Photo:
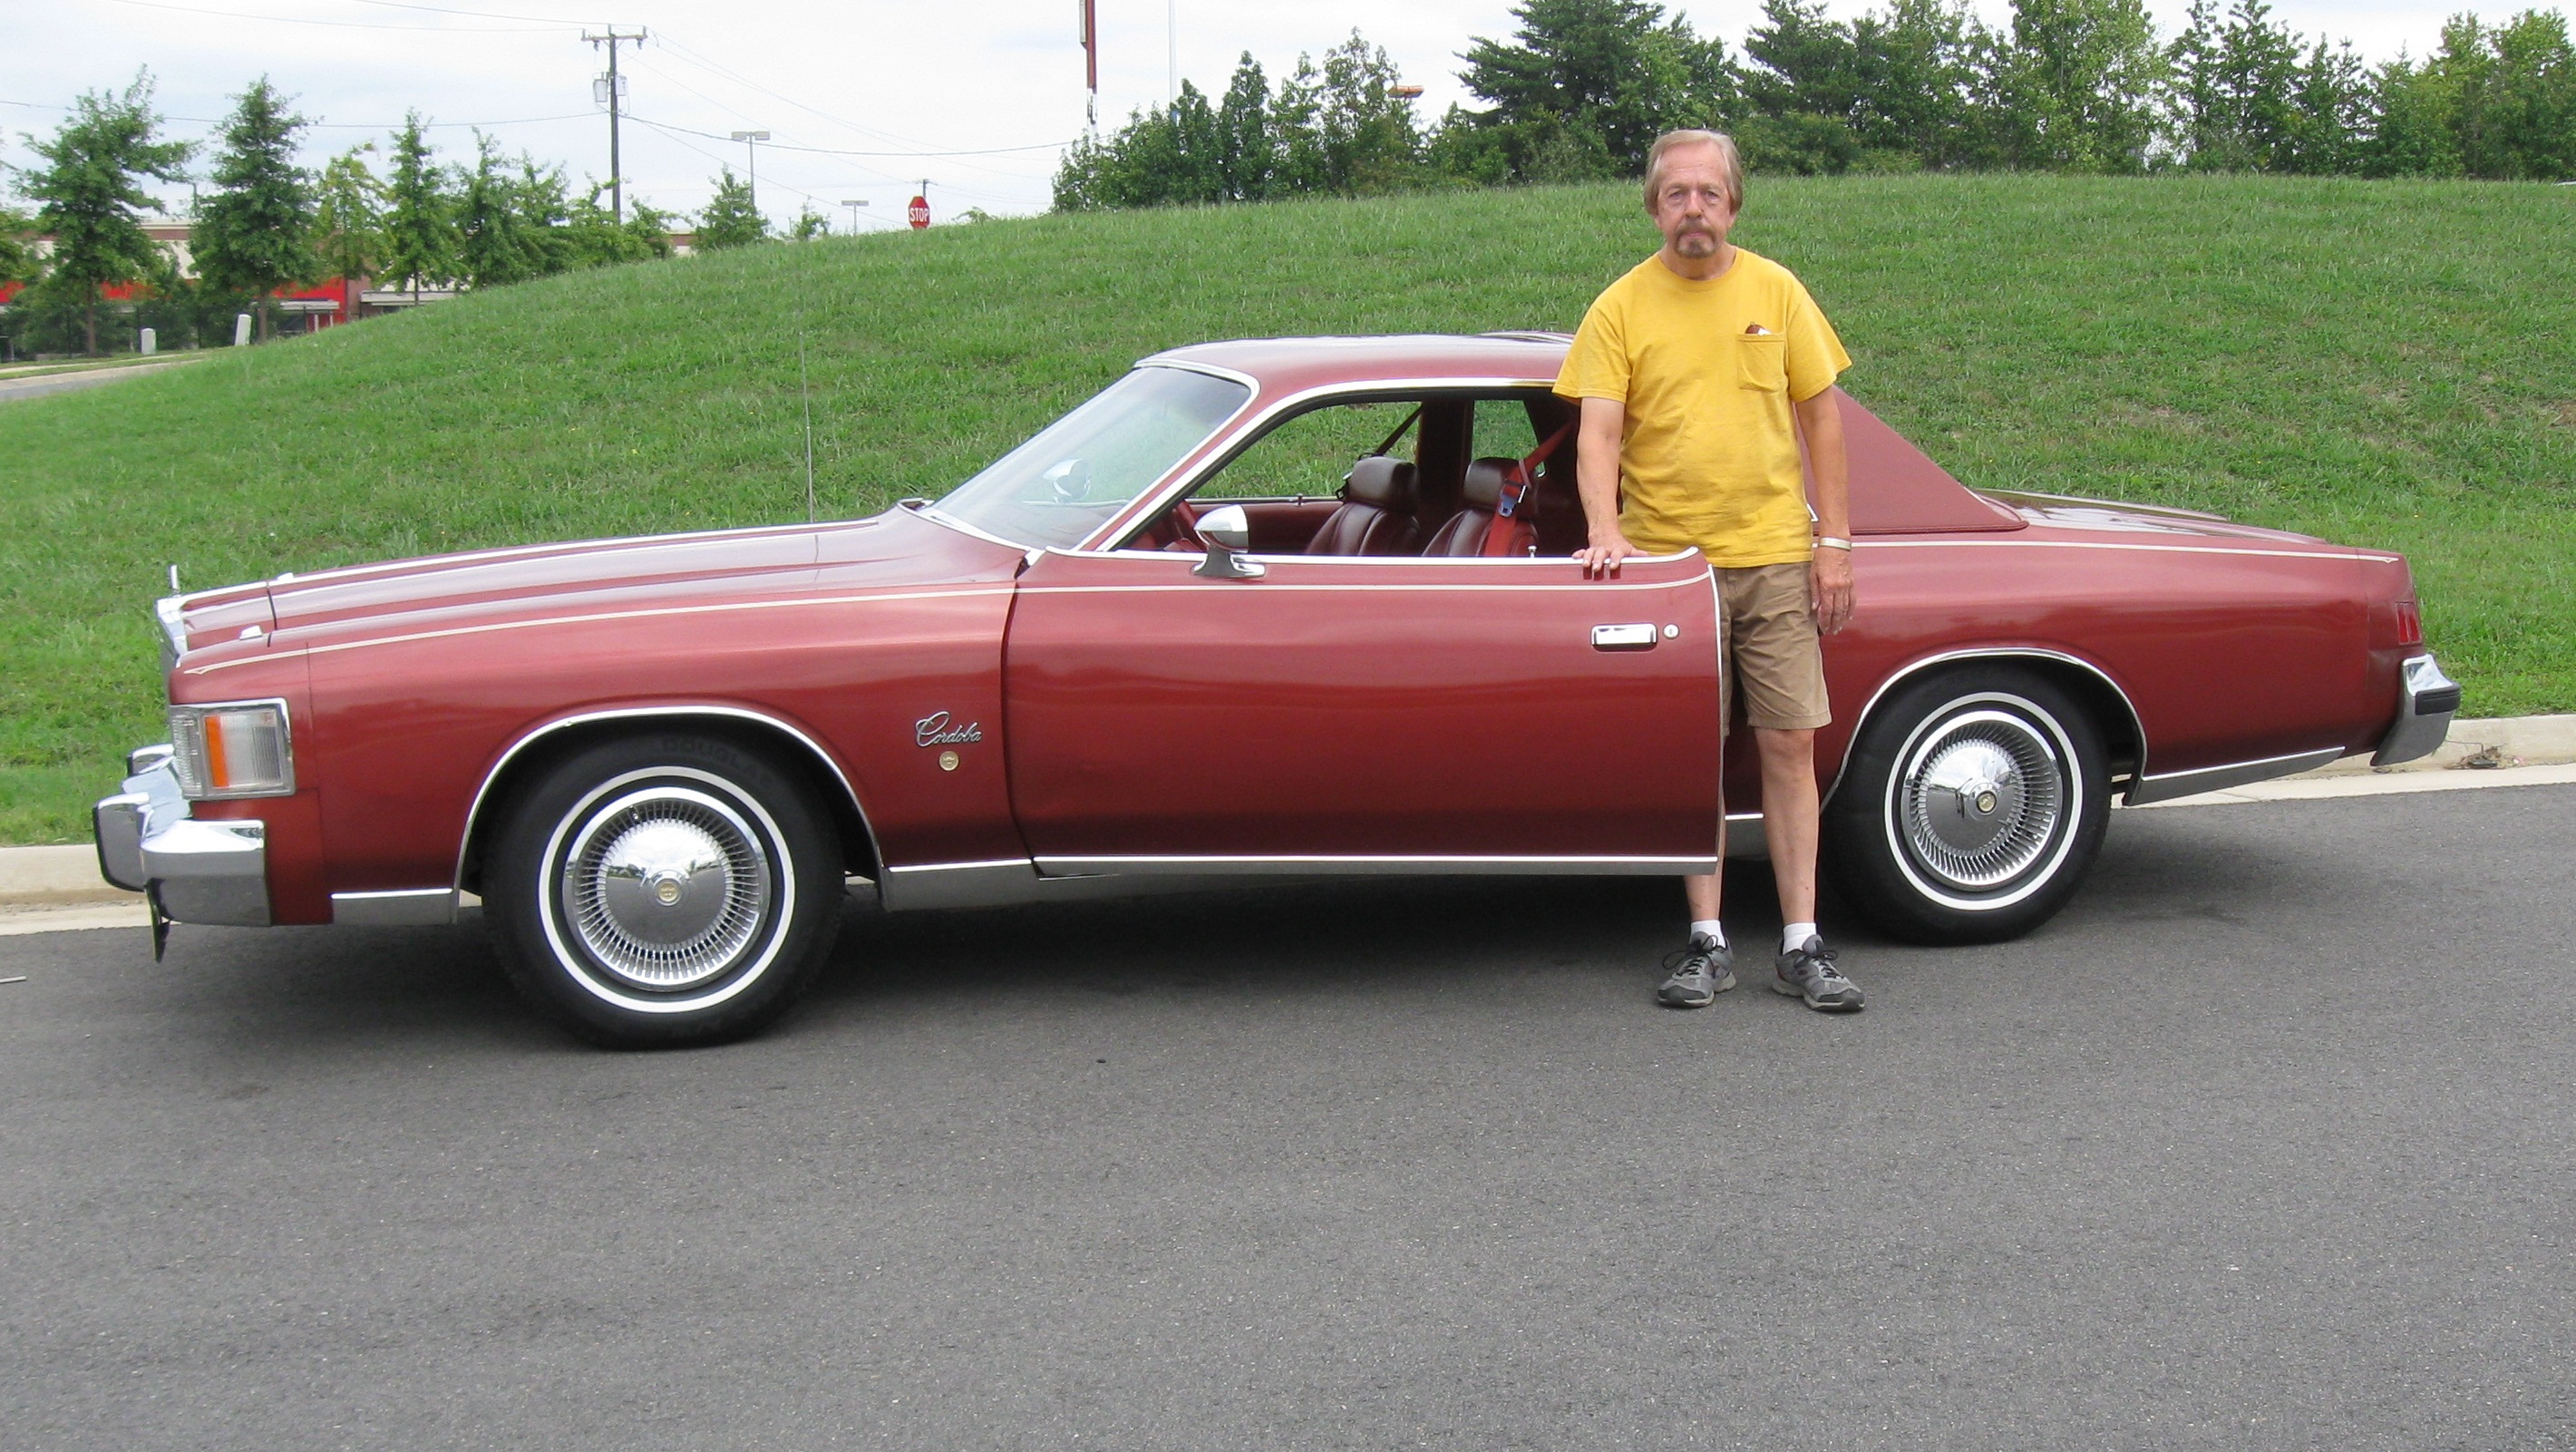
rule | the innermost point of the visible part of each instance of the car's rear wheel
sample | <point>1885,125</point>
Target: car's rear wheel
<point>663,890</point>
<point>1970,807</point>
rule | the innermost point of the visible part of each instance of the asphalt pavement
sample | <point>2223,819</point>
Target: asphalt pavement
<point>2266,1142</point>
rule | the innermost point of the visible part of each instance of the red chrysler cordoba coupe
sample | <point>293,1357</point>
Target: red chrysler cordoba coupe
<point>1289,608</point>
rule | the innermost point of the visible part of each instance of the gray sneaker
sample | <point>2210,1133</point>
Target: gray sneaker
<point>1809,973</point>
<point>1698,973</point>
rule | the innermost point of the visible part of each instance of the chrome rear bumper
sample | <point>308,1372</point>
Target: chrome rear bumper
<point>2426,702</point>
<point>197,872</point>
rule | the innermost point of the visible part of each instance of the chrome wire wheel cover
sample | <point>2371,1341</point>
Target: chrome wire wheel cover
<point>666,887</point>
<point>1980,798</point>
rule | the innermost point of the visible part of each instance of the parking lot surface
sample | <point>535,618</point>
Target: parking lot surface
<point>2266,1142</point>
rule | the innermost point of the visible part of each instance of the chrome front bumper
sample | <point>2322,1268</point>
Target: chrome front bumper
<point>196,872</point>
<point>2426,702</point>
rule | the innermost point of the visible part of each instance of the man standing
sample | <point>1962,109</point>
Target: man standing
<point>1698,374</point>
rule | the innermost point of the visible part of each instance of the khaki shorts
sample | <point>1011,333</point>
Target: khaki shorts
<point>1778,665</point>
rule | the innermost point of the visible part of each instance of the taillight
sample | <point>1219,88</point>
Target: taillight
<point>2410,623</point>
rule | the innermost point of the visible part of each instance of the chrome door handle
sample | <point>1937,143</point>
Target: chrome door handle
<point>1623,637</point>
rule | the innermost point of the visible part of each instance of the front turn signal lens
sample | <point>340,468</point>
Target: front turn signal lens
<point>236,750</point>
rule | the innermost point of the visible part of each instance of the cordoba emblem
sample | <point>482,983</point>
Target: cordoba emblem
<point>938,729</point>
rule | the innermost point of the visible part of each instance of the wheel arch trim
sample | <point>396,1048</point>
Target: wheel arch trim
<point>517,748</point>
<point>2005,653</point>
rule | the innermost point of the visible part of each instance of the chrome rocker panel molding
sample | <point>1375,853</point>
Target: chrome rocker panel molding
<point>212,872</point>
<point>2427,700</point>
<point>2232,774</point>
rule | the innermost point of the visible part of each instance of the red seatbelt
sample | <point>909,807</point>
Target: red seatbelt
<point>1505,527</point>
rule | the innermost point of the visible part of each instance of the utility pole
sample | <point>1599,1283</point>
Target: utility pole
<point>612,88</point>
<point>751,151</point>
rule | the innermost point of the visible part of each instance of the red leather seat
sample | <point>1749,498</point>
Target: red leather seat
<point>1463,536</point>
<point>1376,516</point>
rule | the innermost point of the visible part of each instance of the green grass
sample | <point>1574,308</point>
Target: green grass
<point>2389,364</point>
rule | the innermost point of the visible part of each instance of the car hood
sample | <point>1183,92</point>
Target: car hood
<point>896,547</point>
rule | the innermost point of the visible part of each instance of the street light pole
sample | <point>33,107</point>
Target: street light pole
<point>751,151</point>
<point>854,203</point>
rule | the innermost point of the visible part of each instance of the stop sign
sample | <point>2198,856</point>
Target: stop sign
<point>919,211</point>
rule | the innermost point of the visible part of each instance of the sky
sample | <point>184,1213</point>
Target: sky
<point>863,99</point>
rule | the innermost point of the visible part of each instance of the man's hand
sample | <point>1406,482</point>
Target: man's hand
<point>1829,588</point>
<point>1602,556</point>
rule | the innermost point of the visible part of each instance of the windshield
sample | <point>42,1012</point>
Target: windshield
<point>1066,482</point>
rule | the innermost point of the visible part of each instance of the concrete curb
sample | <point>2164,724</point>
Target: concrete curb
<point>2524,750</point>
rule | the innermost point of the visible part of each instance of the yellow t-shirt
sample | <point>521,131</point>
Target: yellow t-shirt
<point>1707,370</point>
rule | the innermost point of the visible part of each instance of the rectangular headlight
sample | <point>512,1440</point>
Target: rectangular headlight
<point>236,750</point>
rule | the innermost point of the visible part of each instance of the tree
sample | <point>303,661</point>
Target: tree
<point>1246,151</point>
<point>255,234</point>
<point>92,203</point>
<point>2081,81</point>
<point>810,224</point>
<point>729,219</point>
<point>349,220</point>
<point>497,241</point>
<point>1597,79</point>
<point>2329,111</point>
<point>595,238</point>
<point>18,260</point>
<point>420,222</point>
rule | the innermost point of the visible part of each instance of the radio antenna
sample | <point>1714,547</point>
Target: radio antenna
<point>806,392</point>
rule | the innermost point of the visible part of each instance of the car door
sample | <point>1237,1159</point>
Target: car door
<point>1363,714</point>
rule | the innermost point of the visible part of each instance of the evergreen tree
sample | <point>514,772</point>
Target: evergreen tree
<point>349,220</point>
<point>420,215</point>
<point>255,234</point>
<point>92,203</point>
<point>1246,151</point>
<point>729,219</point>
<point>1803,90</point>
<point>1589,84</point>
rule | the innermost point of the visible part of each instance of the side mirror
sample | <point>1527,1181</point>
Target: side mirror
<point>1227,534</point>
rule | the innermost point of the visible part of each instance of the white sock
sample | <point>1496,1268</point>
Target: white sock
<point>1795,936</point>
<point>1709,928</point>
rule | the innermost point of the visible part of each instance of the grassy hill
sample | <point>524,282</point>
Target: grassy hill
<point>2381,363</point>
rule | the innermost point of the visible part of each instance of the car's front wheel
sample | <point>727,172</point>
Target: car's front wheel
<point>1970,807</point>
<point>663,890</point>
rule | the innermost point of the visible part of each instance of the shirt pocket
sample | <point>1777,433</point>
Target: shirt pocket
<point>1762,361</point>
